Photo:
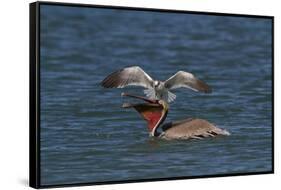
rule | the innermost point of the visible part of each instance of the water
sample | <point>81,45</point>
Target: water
<point>87,137</point>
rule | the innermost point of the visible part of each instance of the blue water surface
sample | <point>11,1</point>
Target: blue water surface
<point>87,137</point>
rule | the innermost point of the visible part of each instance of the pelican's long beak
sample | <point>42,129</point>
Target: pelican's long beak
<point>153,111</point>
<point>139,97</point>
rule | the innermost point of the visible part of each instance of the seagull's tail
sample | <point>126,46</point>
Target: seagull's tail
<point>167,95</point>
<point>150,93</point>
<point>171,96</point>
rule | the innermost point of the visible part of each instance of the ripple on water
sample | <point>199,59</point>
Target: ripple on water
<point>87,137</point>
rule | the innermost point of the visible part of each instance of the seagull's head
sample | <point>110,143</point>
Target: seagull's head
<point>156,83</point>
<point>153,111</point>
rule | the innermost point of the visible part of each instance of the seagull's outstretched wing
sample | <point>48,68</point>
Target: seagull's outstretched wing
<point>127,77</point>
<point>187,80</point>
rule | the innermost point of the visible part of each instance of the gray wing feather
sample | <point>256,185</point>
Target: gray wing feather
<point>187,80</point>
<point>127,77</point>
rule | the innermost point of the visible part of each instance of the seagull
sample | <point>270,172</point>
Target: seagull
<point>155,89</point>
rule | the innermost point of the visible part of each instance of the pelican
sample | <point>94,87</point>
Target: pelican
<point>155,112</point>
<point>155,89</point>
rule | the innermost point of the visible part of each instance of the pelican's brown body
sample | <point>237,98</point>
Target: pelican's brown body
<point>155,112</point>
<point>191,129</point>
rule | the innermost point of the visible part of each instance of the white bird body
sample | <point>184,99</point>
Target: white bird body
<point>160,92</point>
<point>154,89</point>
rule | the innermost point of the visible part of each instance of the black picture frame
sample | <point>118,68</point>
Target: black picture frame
<point>34,92</point>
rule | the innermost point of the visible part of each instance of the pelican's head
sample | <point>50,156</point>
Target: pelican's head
<point>153,111</point>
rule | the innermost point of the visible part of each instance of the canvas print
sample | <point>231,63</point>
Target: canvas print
<point>138,95</point>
